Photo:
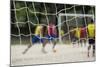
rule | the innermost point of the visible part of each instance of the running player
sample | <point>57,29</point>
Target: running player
<point>51,36</point>
<point>36,38</point>
<point>91,34</point>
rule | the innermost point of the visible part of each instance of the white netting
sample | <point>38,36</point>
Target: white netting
<point>59,12</point>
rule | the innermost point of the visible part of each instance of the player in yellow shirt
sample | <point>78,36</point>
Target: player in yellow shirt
<point>77,35</point>
<point>91,35</point>
<point>61,32</point>
<point>36,38</point>
<point>38,30</point>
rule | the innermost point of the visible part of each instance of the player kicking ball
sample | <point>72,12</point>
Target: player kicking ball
<point>36,38</point>
<point>91,34</point>
<point>44,34</point>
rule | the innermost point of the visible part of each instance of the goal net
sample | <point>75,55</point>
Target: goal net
<point>69,21</point>
<point>25,16</point>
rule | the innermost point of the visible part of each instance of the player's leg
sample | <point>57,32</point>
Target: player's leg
<point>93,50</point>
<point>34,39</point>
<point>81,42</point>
<point>78,41</point>
<point>89,50</point>
<point>29,46</point>
<point>73,41</point>
<point>44,43</point>
<point>54,44</point>
<point>89,47</point>
<point>54,41</point>
<point>84,42</point>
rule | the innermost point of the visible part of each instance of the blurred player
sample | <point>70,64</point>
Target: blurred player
<point>77,35</point>
<point>36,38</point>
<point>51,36</point>
<point>83,35</point>
<point>61,34</point>
<point>91,34</point>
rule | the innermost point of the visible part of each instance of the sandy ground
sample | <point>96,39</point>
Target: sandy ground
<point>65,53</point>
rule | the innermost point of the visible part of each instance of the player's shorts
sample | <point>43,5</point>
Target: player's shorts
<point>37,38</point>
<point>91,41</point>
<point>51,37</point>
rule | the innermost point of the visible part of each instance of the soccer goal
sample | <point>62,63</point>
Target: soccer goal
<point>68,22</point>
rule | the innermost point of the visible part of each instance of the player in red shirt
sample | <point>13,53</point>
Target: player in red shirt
<point>51,36</point>
<point>83,35</point>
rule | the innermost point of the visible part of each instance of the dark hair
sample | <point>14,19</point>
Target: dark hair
<point>92,21</point>
<point>44,30</point>
<point>83,25</point>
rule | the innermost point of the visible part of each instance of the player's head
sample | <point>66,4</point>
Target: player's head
<point>83,25</point>
<point>92,21</point>
<point>40,26</point>
<point>51,23</point>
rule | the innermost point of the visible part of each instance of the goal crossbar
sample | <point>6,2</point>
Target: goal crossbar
<point>82,15</point>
